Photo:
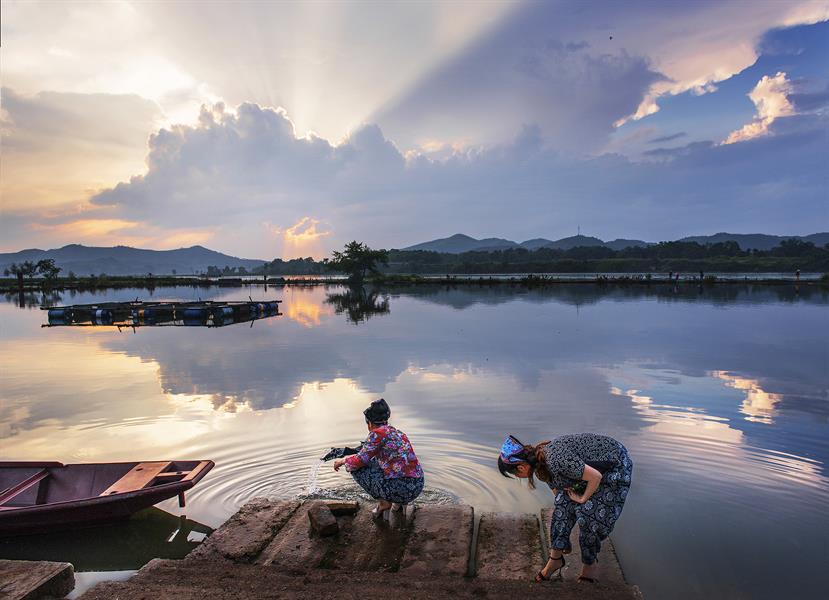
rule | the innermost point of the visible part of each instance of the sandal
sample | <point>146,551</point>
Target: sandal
<point>556,574</point>
<point>587,579</point>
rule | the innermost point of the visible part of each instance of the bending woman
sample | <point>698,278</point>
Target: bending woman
<point>386,466</point>
<point>589,475</point>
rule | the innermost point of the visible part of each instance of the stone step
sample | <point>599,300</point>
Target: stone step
<point>34,579</point>
<point>294,547</point>
<point>364,543</point>
<point>509,546</point>
<point>243,537</point>
<point>269,550</point>
<point>370,544</point>
<point>440,542</point>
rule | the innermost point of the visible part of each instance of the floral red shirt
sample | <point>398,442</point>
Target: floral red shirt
<point>392,450</point>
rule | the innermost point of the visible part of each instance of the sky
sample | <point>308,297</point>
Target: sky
<point>279,129</point>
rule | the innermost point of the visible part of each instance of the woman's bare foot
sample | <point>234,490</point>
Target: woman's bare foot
<point>589,572</point>
<point>382,507</point>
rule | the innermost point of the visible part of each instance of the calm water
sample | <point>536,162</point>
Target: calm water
<point>721,395</point>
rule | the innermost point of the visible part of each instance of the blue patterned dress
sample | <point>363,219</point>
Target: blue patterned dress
<point>566,457</point>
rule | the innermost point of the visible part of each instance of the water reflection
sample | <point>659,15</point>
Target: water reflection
<point>151,533</point>
<point>721,398</point>
<point>358,303</point>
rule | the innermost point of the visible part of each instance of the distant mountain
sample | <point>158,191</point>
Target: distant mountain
<point>621,244</point>
<point>463,243</point>
<point>575,241</point>
<point>757,241</point>
<point>123,260</point>
<point>536,243</point>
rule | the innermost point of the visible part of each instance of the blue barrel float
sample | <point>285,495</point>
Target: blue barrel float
<point>195,312</point>
<point>102,316</point>
<point>149,314</point>
<point>60,316</point>
<point>270,308</point>
<point>156,313</point>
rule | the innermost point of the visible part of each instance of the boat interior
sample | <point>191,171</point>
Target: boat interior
<point>24,484</point>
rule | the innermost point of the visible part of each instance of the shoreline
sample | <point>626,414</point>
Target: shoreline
<point>10,286</point>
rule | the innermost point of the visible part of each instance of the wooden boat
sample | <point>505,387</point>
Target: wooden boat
<point>46,496</point>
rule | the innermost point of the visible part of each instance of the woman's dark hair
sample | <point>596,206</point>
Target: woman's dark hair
<point>530,455</point>
<point>377,413</point>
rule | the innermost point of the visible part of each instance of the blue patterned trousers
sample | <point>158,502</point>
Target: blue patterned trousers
<point>596,517</point>
<point>402,490</point>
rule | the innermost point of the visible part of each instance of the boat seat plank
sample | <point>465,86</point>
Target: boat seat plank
<point>205,464</point>
<point>21,487</point>
<point>139,477</point>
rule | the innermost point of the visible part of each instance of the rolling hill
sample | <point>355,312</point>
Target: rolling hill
<point>124,260</point>
<point>463,243</point>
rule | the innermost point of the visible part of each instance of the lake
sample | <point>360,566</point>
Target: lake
<point>721,395</point>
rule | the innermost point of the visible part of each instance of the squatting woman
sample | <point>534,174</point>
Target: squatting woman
<point>589,475</point>
<point>386,466</point>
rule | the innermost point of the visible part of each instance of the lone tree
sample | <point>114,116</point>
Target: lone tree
<point>357,260</point>
<point>47,268</point>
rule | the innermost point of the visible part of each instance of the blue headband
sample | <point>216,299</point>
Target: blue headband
<point>510,449</point>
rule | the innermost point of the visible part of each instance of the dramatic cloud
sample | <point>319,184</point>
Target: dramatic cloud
<point>578,73</point>
<point>770,96</point>
<point>237,170</point>
<point>60,147</point>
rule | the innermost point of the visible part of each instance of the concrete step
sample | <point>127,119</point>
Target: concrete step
<point>268,549</point>
<point>243,537</point>
<point>440,542</point>
<point>35,579</point>
<point>509,546</point>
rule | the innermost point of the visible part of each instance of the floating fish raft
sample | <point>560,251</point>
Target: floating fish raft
<point>137,313</point>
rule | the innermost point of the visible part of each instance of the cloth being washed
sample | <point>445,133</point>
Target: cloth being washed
<point>341,452</point>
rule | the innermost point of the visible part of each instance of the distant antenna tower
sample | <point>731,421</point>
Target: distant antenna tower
<point>579,229</point>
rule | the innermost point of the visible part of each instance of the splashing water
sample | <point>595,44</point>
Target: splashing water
<point>312,478</point>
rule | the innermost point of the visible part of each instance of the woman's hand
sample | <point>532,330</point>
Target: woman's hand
<point>338,463</point>
<point>593,479</point>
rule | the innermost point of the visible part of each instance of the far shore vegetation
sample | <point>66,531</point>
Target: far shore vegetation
<point>359,264</point>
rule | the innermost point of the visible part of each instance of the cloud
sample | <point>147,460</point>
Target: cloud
<point>578,73</point>
<point>770,97</point>
<point>697,45</point>
<point>667,138</point>
<point>58,148</point>
<point>519,75</point>
<point>239,168</point>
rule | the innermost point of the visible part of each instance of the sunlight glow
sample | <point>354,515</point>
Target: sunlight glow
<point>302,239</point>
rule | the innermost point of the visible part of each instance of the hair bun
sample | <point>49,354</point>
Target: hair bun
<point>378,411</point>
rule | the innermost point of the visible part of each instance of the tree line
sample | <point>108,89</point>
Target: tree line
<point>358,260</point>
